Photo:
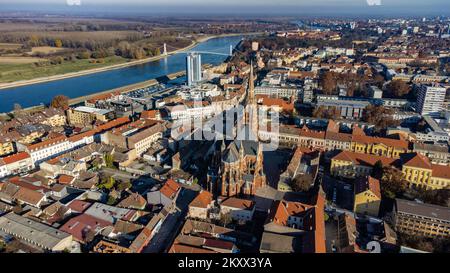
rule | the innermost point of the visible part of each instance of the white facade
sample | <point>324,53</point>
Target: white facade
<point>193,68</point>
<point>430,100</point>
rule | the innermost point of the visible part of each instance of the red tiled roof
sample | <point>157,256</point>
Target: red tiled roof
<point>239,203</point>
<point>203,199</point>
<point>46,143</point>
<point>364,159</point>
<point>79,205</point>
<point>15,157</point>
<point>170,189</point>
<point>368,183</point>
<point>65,179</point>
<point>418,161</point>
<point>441,171</point>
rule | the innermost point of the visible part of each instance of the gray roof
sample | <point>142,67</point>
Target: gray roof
<point>232,153</point>
<point>278,243</point>
<point>40,234</point>
<point>425,210</point>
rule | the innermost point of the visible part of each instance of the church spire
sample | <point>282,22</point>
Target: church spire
<point>251,86</point>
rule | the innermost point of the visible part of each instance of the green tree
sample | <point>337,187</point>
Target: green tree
<point>109,160</point>
<point>393,184</point>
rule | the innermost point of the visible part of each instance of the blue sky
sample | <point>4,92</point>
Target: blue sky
<point>326,7</point>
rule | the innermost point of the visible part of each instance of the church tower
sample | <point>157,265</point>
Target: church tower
<point>251,111</point>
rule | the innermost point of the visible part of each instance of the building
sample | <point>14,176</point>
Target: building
<point>241,171</point>
<point>238,209</point>
<point>193,68</point>
<point>351,164</point>
<point>85,116</point>
<point>300,225</point>
<point>421,173</point>
<point>15,164</point>
<point>367,196</point>
<point>430,100</point>
<point>200,206</point>
<point>422,219</point>
<point>139,135</point>
<point>35,233</point>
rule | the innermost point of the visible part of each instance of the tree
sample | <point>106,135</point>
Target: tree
<point>329,83</point>
<point>60,102</point>
<point>377,170</point>
<point>379,116</point>
<point>302,183</point>
<point>392,183</point>
<point>398,89</point>
<point>58,43</point>
<point>109,160</point>
<point>327,113</point>
<point>123,186</point>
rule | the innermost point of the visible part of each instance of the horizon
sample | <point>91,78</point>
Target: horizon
<point>320,8</point>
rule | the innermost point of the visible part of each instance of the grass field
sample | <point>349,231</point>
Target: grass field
<point>21,71</point>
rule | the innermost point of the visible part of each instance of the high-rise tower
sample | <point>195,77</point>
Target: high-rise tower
<point>193,68</point>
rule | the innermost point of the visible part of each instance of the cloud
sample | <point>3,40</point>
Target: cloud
<point>74,2</point>
<point>374,2</point>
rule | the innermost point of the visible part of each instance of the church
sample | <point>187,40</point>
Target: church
<point>237,167</point>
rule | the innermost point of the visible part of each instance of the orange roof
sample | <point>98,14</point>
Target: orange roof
<point>305,132</point>
<point>170,189</point>
<point>28,196</point>
<point>319,229</point>
<point>65,179</point>
<point>368,183</point>
<point>239,203</point>
<point>284,209</point>
<point>441,171</point>
<point>203,199</point>
<point>417,160</point>
<point>46,143</point>
<point>15,157</point>
<point>103,96</point>
<point>364,159</point>
<point>149,114</point>
<point>386,141</point>
<point>268,101</point>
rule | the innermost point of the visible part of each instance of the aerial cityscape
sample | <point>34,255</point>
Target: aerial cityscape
<point>237,128</point>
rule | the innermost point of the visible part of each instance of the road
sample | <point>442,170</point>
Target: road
<point>171,226</point>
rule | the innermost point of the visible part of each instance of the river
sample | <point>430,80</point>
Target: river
<point>42,93</point>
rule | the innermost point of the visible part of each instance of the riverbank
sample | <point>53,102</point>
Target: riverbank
<point>116,66</point>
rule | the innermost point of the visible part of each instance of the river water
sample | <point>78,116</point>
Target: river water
<point>42,93</point>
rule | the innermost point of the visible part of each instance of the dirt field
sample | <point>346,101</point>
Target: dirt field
<point>45,50</point>
<point>19,60</point>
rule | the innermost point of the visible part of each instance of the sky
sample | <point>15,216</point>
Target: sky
<point>279,7</point>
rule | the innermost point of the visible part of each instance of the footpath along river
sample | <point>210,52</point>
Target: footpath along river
<point>42,93</point>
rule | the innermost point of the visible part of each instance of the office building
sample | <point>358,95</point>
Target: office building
<point>193,68</point>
